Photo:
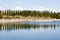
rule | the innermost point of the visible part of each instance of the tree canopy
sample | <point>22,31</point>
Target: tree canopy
<point>31,13</point>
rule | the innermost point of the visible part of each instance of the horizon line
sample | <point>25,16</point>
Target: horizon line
<point>33,9</point>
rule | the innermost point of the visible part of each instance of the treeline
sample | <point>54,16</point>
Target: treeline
<point>27,13</point>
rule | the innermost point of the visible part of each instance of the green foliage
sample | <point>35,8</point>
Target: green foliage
<point>27,13</point>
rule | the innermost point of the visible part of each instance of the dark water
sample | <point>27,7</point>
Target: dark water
<point>30,31</point>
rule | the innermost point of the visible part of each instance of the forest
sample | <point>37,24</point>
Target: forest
<point>28,13</point>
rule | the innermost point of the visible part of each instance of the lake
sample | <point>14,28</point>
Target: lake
<point>30,31</point>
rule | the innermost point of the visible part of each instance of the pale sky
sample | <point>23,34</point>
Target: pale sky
<point>30,4</point>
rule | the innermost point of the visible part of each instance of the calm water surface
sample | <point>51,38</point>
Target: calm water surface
<point>30,31</point>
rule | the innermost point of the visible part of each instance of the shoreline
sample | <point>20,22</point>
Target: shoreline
<point>28,20</point>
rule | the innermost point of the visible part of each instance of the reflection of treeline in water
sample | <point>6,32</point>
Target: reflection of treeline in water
<point>28,13</point>
<point>24,26</point>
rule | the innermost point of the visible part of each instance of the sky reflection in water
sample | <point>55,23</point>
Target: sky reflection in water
<point>30,31</point>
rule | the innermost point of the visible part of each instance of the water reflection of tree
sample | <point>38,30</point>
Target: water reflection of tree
<point>0,27</point>
<point>13,26</point>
